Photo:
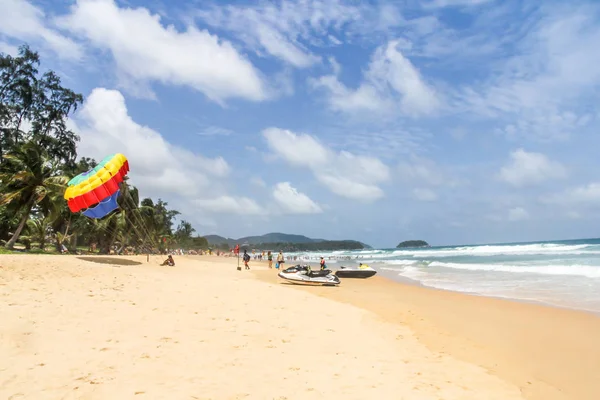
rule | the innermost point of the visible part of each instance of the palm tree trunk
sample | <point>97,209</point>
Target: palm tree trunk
<point>11,243</point>
<point>67,228</point>
<point>74,240</point>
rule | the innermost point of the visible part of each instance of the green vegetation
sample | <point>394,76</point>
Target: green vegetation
<point>38,156</point>
<point>413,243</point>
<point>315,246</point>
<point>285,242</point>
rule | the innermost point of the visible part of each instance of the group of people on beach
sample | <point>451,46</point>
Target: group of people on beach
<point>246,258</point>
<point>279,263</point>
<point>280,260</point>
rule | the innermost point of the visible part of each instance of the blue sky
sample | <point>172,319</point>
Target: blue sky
<point>452,121</point>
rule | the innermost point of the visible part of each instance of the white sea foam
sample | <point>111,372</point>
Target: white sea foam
<point>588,271</point>
<point>491,250</point>
<point>576,292</point>
<point>576,270</point>
<point>401,262</point>
<point>564,274</point>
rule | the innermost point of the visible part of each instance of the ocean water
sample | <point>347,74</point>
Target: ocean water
<point>560,273</point>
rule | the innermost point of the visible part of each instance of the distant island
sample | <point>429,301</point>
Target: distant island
<point>412,243</point>
<point>285,242</point>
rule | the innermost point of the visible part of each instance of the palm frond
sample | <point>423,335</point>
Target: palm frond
<point>40,193</point>
<point>22,176</point>
<point>6,198</point>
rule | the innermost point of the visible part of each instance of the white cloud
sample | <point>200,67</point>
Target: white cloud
<point>421,170</point>
<point>214,131</point>
<point>424,194</point>
<point>294,202</point>
<point>157,167</point>
<point>9,49</point>
<point>517,214</point>
<point>145,51</point>
<point>230,205</point>
<point>513,215</point>
<point>256,181</point>
<point>343,173</point>
<point>286,29</point>
<point>454,3</point>
<point>588,194</point>
<point>541,88</point>
<point>258,30</point>
<point>573,215</point>
<point>22,20</point>
<point>341,98</point>
<point>392,84</point>
<point>529,168</point>
<point>335,66</point>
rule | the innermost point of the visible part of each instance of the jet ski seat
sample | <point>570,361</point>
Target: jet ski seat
<point>318,273</point>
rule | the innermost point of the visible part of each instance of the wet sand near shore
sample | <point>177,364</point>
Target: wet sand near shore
<point>549,353</point>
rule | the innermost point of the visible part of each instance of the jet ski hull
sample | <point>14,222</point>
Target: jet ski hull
<point>361,272</point>
<point>355,273</point>
<point>301,278</point>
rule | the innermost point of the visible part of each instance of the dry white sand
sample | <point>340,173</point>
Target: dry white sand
<point>75,329</point>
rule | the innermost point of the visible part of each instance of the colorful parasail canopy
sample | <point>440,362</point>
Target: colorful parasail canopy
<point>96,191</point>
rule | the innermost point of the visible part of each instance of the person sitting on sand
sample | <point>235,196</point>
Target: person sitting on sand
<point>169,261</point>
<point>323,266</point>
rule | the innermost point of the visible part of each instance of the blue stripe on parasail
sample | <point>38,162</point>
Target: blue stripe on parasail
<point>104,207</point>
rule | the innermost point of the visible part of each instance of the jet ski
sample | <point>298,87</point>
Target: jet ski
<point>304,275</point>
<point>362,271</point>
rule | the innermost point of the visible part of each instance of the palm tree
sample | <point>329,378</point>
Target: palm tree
<point>39,230</point>
<point>28,176</point>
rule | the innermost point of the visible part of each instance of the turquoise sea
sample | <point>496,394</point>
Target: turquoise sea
<point>562,273</point>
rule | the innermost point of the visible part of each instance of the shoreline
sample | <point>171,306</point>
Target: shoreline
<point>396,277</point>
<point>413,282</point>
<point>549,352</point>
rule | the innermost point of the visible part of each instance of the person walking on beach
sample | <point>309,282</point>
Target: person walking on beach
<point>246,259</point>
<point>280,259</point>
<point>323,266</point>
<point>270,258</point>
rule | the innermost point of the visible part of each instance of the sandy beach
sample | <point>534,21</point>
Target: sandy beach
<point>92,327</point>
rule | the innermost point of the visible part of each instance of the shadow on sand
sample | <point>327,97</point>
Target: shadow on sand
<point>110,260</point>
